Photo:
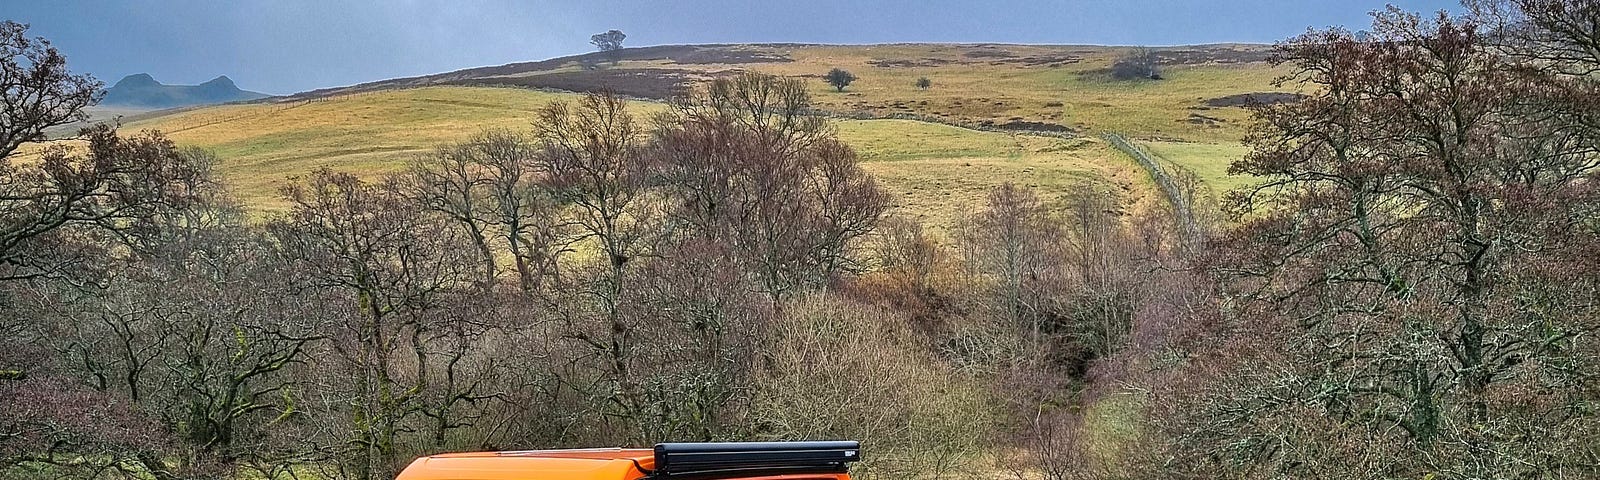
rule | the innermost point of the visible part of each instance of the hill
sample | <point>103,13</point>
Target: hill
<point>143,91</point>
<point>1022,113</point>
<point>1019,87</point>
<point>927,166</point>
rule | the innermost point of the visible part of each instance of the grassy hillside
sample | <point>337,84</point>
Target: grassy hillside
<point>1065,86</point>
<point>928,166</point>
<point>262,145</point>
<point>1020,86</point>
<point>938,172</point>
<point>1208,160</point>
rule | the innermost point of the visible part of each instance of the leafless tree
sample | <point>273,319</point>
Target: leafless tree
<point>1016,243</point>
<point>526,214</point>
<point>1102,254</point>
<point>397,267</point>
<point>1400,266</point>
<point>755,164</point>
<point>201,335</point>
<point>113,189</point>
<point>590,153</point>
<point>452,181</point>
<point>39,92</point>
<point>1140,63</point>
<point>1551,35</point>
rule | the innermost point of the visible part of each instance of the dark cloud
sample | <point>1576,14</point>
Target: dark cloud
<point>285,46</point>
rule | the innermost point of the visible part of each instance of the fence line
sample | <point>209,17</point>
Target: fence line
<point>1182,210</point>
<point>865,115</point>
<point>238,116</point>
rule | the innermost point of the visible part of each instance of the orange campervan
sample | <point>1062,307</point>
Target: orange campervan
<point>668,461</point>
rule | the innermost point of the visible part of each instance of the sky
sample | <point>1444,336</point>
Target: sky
<point>287,46</point>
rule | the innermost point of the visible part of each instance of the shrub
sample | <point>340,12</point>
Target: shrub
<point>1141,63</point>
<point>839,369</point>
<point>839,78</point>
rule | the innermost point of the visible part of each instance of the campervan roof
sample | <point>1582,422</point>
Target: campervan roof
<point>687,461</point>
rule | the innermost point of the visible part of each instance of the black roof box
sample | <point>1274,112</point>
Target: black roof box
<point>713,460</point>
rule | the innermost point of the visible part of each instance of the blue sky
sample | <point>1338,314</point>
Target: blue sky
<point>285,46</point>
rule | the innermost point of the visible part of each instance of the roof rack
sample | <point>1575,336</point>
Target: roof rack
<point>712,460</point>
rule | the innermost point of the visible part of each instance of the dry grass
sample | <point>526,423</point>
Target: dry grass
<point>936,173</point>
<point>1007,83</point>
<point>262,145</point>
<point>933,170</point>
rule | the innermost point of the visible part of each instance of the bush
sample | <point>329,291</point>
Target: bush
<point>839,369</point>
<point>839,78</point>
<point>1139,64</point>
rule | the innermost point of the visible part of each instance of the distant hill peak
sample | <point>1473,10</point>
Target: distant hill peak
<point>142,90</point>
<point>137,79</point>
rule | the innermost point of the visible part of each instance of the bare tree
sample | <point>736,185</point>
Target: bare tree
<point>1400,266</point>
<point>1101,252</point>
<point>39,92</point>
<point>114,188</point>
<point>1140,63</point>
<point>589,152</point>
<point>758,167</point>
<point>452,181</point>
<point>397,266</point>
<point>1016,241</point>
<point>1551,35</point>
<point>202,335</point>
<point>68,429</point>
<point>526,214</point>
<point>699,325</point>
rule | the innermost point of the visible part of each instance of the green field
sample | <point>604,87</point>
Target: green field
<point>1207,160</point>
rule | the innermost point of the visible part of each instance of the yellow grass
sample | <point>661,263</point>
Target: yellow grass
<point>935,172</point>
<point>262,145</point>
<point>977,89</point>
<point>1207,160</point>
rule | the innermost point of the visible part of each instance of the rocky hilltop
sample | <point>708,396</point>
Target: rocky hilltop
<point>143,91</point>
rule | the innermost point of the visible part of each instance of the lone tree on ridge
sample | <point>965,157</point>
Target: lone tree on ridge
<point>609,43</point>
